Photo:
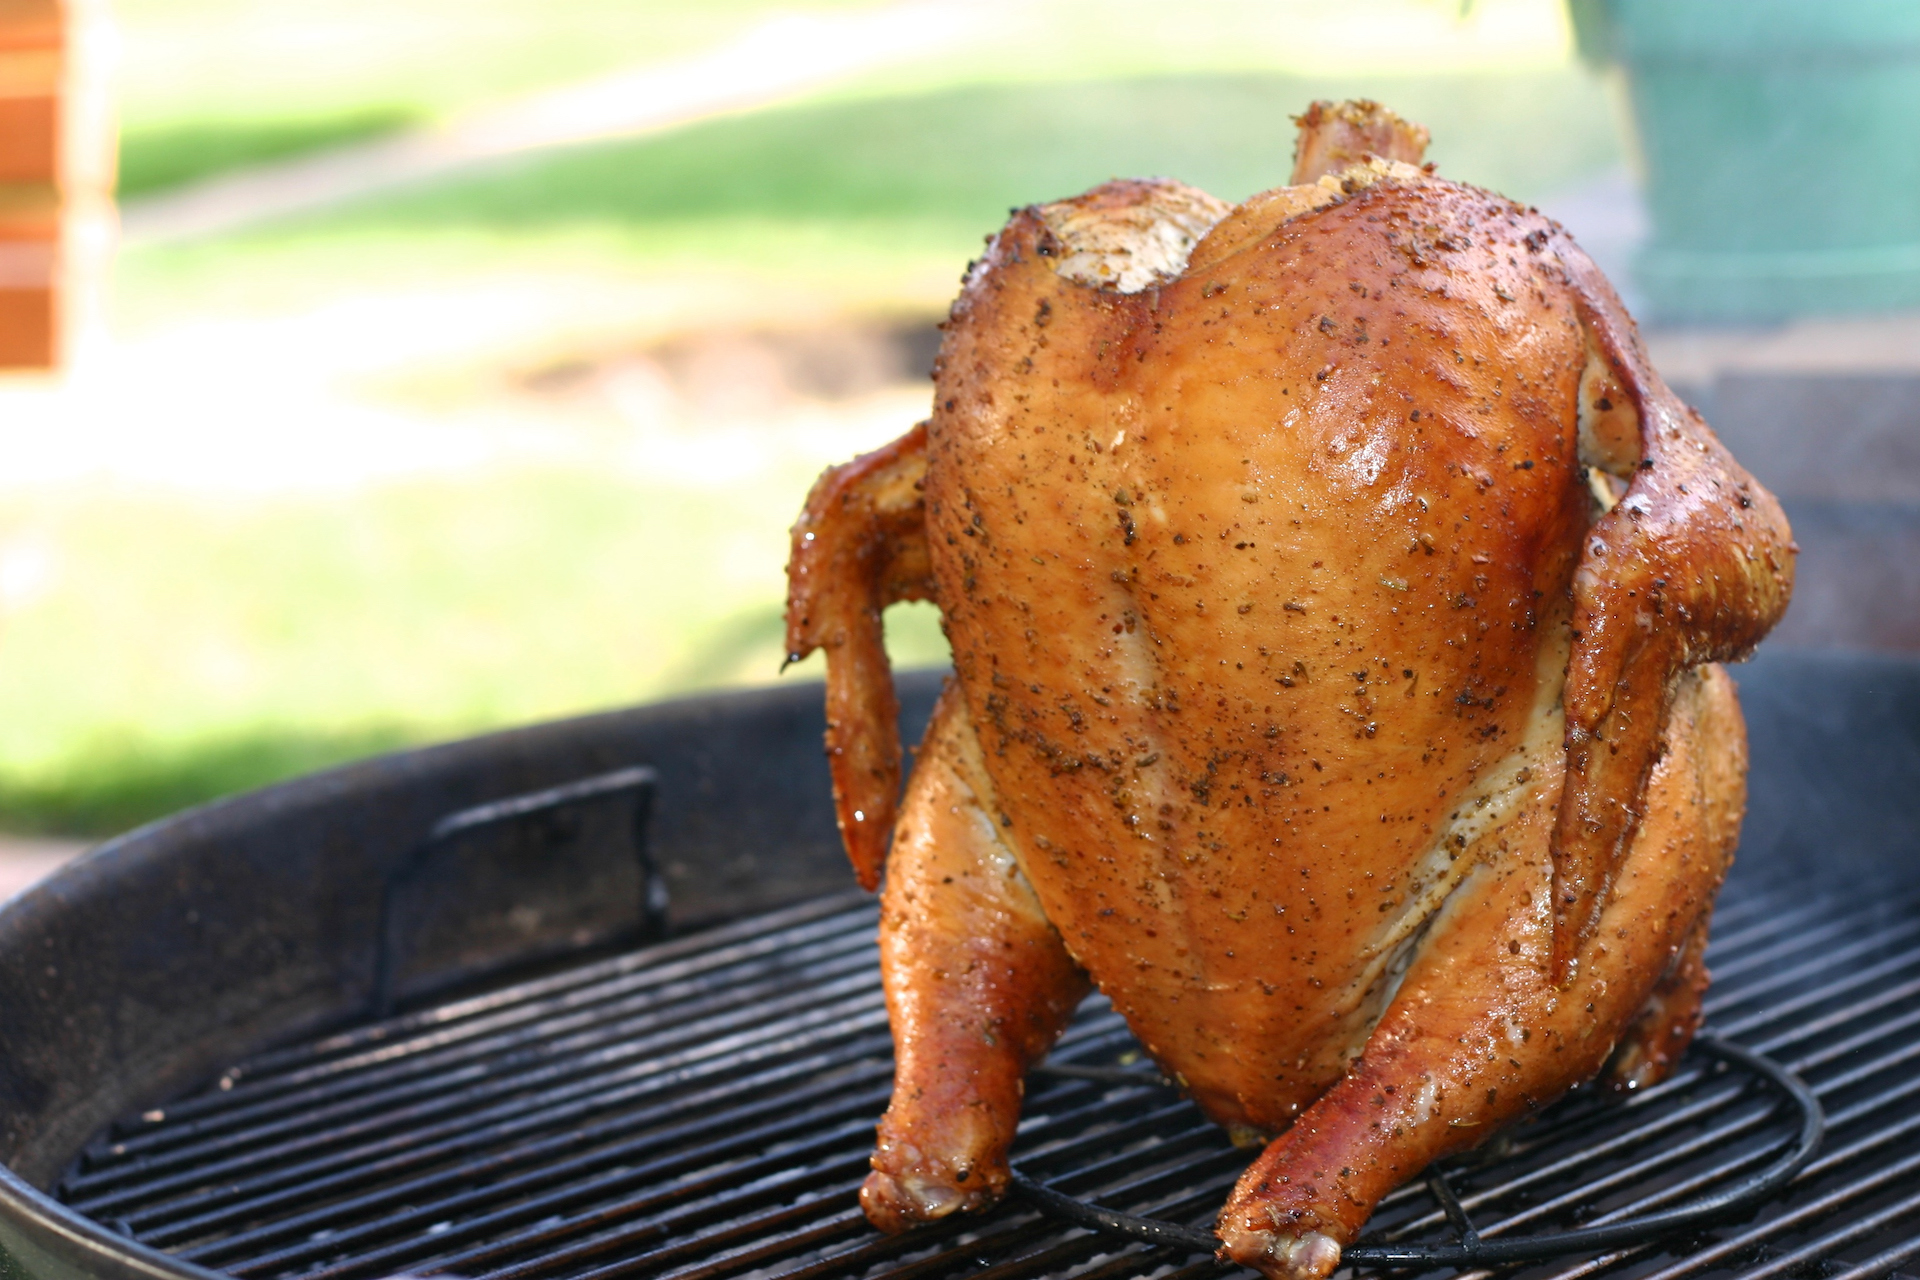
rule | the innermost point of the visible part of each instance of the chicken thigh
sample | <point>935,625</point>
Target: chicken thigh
<point>1333,589</point>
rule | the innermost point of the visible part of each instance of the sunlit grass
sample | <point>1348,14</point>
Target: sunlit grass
<point>209,85</point>
<point>160,651</point>
<point>865,185</point>
<point>864,202</point>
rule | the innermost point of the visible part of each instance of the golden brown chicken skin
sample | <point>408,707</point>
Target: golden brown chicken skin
<point>1307,692</point>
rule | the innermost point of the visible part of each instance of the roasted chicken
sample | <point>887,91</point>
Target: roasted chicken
<point>1333,589</point>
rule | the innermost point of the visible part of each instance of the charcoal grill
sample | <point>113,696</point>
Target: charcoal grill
<point>664,1057</point>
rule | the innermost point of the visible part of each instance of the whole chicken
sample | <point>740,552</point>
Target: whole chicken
<point>1333,589</point>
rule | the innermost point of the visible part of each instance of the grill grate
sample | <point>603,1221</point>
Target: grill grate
<point>705,1107</point>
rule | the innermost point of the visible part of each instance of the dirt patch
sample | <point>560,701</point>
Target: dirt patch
<point>723,374</point>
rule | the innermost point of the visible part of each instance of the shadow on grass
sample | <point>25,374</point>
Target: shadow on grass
<point>154,159</point>
<point>114,786</point>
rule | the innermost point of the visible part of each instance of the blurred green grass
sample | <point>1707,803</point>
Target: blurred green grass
<point>154,158</point>
<point>188,647</point>
<point>181,649</point>
<point>863,187</point>
<point>956,158</point>
<point>206,86</point>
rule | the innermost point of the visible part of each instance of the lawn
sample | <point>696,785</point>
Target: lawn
<point>211,85</point>
<point>178,649</point>
<point>161,647</point>
<point>952,161</point>
<point>872,198</point>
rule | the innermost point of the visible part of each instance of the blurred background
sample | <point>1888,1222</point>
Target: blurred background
<point>390,370</point>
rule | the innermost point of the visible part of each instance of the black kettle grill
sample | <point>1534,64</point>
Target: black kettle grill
<point>596,999</point>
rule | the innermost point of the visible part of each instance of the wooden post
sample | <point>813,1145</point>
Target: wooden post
<point>56,175</point>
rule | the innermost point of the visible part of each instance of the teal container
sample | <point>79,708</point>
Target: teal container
<point>1782,147</point>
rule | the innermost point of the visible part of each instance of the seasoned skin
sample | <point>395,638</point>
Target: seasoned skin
<point>1651,1047</point>
<point>1259,592</point>
<point>1340,724</point>
<point>860,545</point>
<point>978,988</point>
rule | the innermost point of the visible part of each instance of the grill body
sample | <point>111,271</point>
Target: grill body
<point>172,954</point>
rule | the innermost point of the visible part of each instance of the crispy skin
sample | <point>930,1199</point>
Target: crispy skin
<point>1337,727</point>
<point>978,988</point>
<point>860,545</point>
<point>1245,579</point>
<point>1480,1032</point>
<point>1653,1045</point>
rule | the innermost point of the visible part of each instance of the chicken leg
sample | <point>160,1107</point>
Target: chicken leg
<point>1479,1033</point>
<point>978,984</point>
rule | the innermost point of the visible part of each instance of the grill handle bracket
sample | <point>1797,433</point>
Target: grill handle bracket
<point>639,781</point>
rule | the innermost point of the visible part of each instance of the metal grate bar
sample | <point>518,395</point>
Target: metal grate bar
<point>122,1168</point>
<point>600,1061</point>
<point>267,1074</point>
<point>1021,1231</point>
<point>1707,1141</point>
<point>793,1106</point>
<point>1735,912</point>
<point>1794,1004</point>
<point>776,1093</point>
<point>703,1109</point>
<point>650,1034</point>
<point>1882,1264</point>
<point>1790,925</point>
<point>712,948</point>
<point>650,1261</point>
<point>845,1141</point>
<point>244,1201</point>
<point>1710,1141</point>
<point>1807,938</point>
<point>603,1173</point>
<point>444,1141</point>
<point>1687,1079</point>
<point>1558,1171</point>
<point>1184,1202</point>
<point>882,1248</point>
<point>1832,1242</point>
<point>1858,1187</point>
<point>380,1077</point>
<point>1801,1215</point>
<point>864,1105</point>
